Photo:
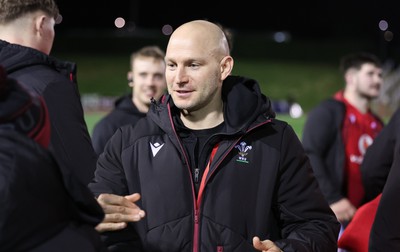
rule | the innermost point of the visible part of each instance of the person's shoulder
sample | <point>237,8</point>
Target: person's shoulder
<point>120,116</point>
<point>279,122</point>
<point>64,67</point>
<point>124,105</point>
<point>282,125</point>
<point>330,103</point>
<point>278,133</point>
<point>44,72</point>
<point>278,126</point>
<point>143,127</point>
<point>328,113</point>
<point>327,107</point>
<point>103,122</point>
<point>130,133</point>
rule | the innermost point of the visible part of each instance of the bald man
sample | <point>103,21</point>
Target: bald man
<point>210,168</point>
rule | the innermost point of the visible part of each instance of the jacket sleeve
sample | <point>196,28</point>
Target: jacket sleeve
<point>319,137</point>
<point>110,178</point>
<point>379,157</point>
<point>70,140</point>
<point>308,223</point>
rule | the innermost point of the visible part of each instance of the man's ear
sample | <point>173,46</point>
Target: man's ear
<point>130,78</point>
<point>39,24</point>
<point>226,66</point>
<point>349,76</point>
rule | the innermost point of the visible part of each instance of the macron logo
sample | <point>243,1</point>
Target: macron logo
<point>155,148</point>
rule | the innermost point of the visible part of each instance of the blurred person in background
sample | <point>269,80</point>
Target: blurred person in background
<point>339,130</point>
<point>37,213</point>
<point>147,81</point>
<point>26,39</point>
<point>210,168</point>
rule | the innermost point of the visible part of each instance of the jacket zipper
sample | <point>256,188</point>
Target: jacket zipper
<point>197,202</point>
<point>196,175</point>
<point>199,197</point>
<point>196,212</point>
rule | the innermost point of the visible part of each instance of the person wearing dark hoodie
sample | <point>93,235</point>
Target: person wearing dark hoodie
<point>37,213</point>
<point>339,130</point>
<point>210,168</point>
<point>147,80</point>
<point>26,39</point>
<point>381,176</point>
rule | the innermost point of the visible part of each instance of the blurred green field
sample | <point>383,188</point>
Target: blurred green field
<point>297,123</point>
<point>305,71</point>
<point>91,120</point>
<point>305,82</point>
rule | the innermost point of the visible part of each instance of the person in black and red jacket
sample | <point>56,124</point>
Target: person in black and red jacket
<point>37,213</point>
<point>26,39</point>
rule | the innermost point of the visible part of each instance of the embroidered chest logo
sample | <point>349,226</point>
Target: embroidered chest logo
<point>363,143</point>
<point>243,151</point>
<point>155,148</point>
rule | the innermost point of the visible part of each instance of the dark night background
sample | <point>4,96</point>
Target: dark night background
<point>303,20</point>
<point>310,18</point>
<point>318,32</point>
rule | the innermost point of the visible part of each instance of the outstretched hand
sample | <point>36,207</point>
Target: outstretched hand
<point>265,246</point>
<point>343,210</point>
<point>118,211</point>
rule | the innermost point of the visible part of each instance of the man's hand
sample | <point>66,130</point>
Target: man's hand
<point>265,246</point>
<point>118,211</point>
<point>343,210</point>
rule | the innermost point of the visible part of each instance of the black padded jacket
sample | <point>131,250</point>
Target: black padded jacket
<point>37,213</point>
<point>55,81</point>
<point>260,182</point>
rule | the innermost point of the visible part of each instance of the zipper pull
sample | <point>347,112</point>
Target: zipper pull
<point>196,175</point>
<point>196,216</point>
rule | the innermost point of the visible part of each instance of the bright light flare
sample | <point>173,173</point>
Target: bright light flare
<point>281,37</point>
<point>119,22</point>
<point>167,29</point>
<point>383,25</point>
